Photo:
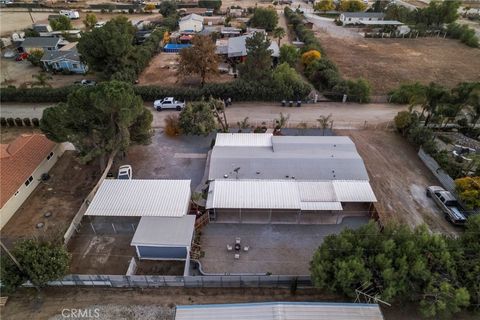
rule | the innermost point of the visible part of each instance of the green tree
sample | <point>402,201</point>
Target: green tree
<point>40,262</point>
<point>90,21</point>
<point>41,80</point>
<point>265,18</point>
<point>99,121</point>
<point>359,90</point>
<point>258,64</point>
<point>211,4</point>
<point>35,56</point>
<point>352,5</point>
<point>287,80</point>
<point>197,118</point>
<point>200,59</point>
<point>398,263</point>
<point>279,33</point>
<point>289,54</point>
<point>61,23</point>
<point>107,50</point>
<point>403,121</point>
<point>324,5</point>
<point>168,8</point>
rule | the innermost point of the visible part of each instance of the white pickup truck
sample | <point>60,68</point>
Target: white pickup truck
<point>449,205</point>
<point>168,103</point>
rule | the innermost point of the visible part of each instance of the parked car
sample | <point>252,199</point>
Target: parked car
<point>86,82</point>
<point>100,24</point>
<point>125,172</point>
<point>168,103</point>
<point>449,205</point>
<point>72,14</point>
<point>21,56</point>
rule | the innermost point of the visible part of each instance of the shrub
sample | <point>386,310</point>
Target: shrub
<point>18,122</point>
<point>3,122</point>
<point>36,122</point>
<point>35,56</point>
<point>172,125</point>
<point>27,122</point>
<point>11,122</point>
<point>464,33</point>
<point>210,4</point>
<point>405,92</point>
<point>419,135</point>
<point>359,90</point>
<point>310,56</point>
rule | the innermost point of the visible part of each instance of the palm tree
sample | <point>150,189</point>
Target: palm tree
<point>325,122</point>
<point>279,33</point>
<point>42,78</point>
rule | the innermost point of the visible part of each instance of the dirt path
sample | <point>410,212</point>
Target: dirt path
<point>399,179</point>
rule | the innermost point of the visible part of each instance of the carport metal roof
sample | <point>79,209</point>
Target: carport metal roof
<point>164,231</point>
<point>141,198</point>
<point>287,194</point>
<point>280,310</point>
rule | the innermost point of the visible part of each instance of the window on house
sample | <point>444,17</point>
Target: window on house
<point>16,193</point>
<point>75,66</point>
<point>29,180</point>
<point>50,156</point>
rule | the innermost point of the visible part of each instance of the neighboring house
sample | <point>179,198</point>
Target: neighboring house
<point>357,17</point>
<point>42,27</point>
<point>237,47</point>
<point>22,164</point>
<point>65,59</point>
<point>41,43</point>
<point>192,22</point>
<point>280,310</point>
<point>261,178</point>
<point>228,32</point>
<point>165,230</point>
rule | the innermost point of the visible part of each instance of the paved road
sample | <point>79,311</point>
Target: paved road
<point>344,115</point>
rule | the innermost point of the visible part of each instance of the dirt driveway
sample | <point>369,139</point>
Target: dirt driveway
<point>387,63</point>
<point>399,178</point>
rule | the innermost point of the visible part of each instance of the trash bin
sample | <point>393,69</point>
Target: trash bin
<point>299,103</point>
<point>290,103</point>
<point>284,103</point>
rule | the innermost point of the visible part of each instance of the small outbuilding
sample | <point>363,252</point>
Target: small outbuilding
<point>358,17</point>
<point>162,238</point>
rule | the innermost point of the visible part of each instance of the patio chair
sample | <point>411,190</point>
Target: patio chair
<point>229,247</point>
<point>237,256</point>
<point>237,240</point>
<point>246,248</point>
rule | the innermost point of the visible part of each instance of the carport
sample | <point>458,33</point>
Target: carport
<point>162,238</point>
<point>284,201</point>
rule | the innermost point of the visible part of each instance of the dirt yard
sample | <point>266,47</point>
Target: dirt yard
<point>399,178</point>
<point>162,70</point>
<point>21,72</point>
<point>386,63</point>
<point>8,134</point>
<point>62,195</point>
<point>159,303</point>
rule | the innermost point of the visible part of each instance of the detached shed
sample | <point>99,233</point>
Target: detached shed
<point>162,238</point>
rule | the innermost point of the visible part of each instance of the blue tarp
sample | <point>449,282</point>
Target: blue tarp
<point>175,47</point>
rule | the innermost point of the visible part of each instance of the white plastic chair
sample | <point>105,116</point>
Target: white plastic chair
<point>237,256</point>
<point>246,248</point>
<point>229,247</point>
<point>237,240</point>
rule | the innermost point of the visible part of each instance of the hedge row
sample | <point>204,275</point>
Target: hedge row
<point>237,90</point>
<point>323,73</point>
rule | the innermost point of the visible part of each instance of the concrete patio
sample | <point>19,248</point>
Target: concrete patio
<point>276,249</point>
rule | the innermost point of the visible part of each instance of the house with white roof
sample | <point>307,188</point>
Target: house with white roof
<point>191,23</point>
<point>261,178</point>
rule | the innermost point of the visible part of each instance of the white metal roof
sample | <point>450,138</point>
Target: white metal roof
<point>141,198</point>
<point>320,206</point>
<point>280,310</point>
<point>382,22</point>
<point>243,140</point>
<point>354,191</point>
<point>287,194</point>
<point>164,231</point>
